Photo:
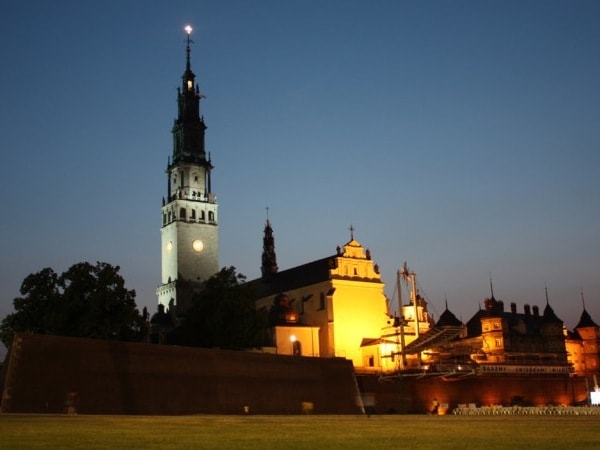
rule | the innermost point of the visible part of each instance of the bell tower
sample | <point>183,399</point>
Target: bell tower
<point>189,232</point>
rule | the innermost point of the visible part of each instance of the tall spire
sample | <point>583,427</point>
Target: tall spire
<point>189,127</point>
<point>269,258</point>
<point>188,30</point>
<point>492,288</point>
<point>188,75</point>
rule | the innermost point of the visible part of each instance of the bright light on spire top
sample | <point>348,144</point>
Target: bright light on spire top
<point>188,30</point>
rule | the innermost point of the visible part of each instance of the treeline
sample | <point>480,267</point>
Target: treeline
<point>92,301</point>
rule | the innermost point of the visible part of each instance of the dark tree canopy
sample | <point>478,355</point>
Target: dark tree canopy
<point>224,315</point>
<point>85,301</point>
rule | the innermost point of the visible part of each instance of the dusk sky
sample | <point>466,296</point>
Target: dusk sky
<point>460,136</point>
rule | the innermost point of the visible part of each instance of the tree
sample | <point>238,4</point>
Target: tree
<point>85,301</point>
<point>224,314</point>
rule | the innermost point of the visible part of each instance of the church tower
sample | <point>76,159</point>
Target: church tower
<point>269,258</point>
<point>189,233</point>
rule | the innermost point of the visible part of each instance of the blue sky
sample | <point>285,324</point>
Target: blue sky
<point>459,136</point>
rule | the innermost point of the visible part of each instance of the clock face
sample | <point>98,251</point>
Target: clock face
<point>198,245</point>
<point>169,246</point>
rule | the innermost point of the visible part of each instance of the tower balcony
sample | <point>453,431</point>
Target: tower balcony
<point>195,196</point>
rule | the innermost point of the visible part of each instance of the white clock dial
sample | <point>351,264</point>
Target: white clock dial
<point>197,245</point>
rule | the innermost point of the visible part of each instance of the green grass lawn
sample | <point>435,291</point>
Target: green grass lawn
<point>298,432</point>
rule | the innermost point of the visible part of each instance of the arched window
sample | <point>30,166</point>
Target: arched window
<point>164,219</point>
<point>211,216</point>
<point>202,216</point>
<point>182,213</point>
<point>193,214</point>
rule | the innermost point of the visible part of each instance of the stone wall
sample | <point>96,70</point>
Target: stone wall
<point>132,378</point>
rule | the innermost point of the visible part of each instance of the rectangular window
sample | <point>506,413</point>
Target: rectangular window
<point>322,303</point>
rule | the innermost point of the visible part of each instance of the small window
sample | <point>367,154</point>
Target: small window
<point>182,213</point>
<point>211,216</point>
<point>193,214</point>
<point>371,361</point>
<point>202,216</point>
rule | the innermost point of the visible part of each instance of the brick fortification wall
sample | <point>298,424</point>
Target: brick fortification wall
<point>133,378</point>
<point>414,395</point>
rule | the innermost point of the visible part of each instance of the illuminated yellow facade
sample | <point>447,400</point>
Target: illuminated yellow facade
<point>342,298</point>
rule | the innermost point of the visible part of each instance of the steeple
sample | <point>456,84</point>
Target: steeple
<point>189,127</point>
<point>189,232</point>
<point>269,259</point>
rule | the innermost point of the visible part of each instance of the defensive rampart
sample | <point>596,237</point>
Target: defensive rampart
<point>49,374</point>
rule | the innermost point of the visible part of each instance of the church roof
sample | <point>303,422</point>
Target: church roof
<point>304,275</point>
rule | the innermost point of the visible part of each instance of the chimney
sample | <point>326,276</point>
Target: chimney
<point>536,310</point>
<point>513,308</point>
<point>527,310</point>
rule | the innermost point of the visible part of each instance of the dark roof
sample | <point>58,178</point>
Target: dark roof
<point>532,321</point>
<point>474,324</point>
<point>586,321</point>
<point>447,319</point>
<point>305,275</point>
<point>549,315</point>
